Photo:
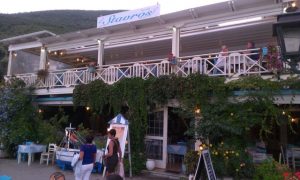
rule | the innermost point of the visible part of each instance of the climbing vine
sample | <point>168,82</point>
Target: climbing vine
<point>232,108</point>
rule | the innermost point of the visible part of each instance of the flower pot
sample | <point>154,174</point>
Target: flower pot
<point>150,164</point>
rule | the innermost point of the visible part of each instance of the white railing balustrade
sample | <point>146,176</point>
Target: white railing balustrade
<point>235,64</point>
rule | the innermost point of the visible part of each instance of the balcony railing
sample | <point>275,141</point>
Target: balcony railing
<point>235,64</point>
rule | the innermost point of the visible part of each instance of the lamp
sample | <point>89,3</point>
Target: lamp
<point>287,30</point>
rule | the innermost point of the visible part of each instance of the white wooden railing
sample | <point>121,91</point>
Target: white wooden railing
<point>235,64</point>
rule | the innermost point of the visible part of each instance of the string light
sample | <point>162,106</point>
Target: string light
<point>40,111</point>
<point>87,108</point>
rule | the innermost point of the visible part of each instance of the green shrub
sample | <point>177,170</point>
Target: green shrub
<point>270,170</point>
<point>138,162</point>
<point>190,160</point>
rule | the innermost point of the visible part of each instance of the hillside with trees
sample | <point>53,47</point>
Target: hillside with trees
<point>56,21</point>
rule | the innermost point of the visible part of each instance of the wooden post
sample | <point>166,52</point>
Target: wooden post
<point>43,58</point>
<point>100,52</point>
<point>9,63</point>
<point>129,155</point>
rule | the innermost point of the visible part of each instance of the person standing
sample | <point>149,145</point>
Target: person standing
<point>88,156</point>
<point>111,158</point>
<point>220,61</point>
<point>253,54</point>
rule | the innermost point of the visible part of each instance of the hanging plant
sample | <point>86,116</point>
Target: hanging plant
<point>273,59</point>
<point>42,73</point>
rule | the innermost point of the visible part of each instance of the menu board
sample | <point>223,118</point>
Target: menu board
<point>204,162</point>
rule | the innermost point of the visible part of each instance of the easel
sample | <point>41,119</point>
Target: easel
<point>121,125</point>
<point>205,159</point>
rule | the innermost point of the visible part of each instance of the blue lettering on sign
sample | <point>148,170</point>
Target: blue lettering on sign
<point>123,18</point>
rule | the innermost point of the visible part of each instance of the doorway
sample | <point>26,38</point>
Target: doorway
<point>177,140</point>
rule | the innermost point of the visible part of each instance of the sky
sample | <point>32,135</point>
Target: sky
<point>166,6</point>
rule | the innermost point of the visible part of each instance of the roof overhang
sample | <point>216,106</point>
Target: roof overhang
<point>31,37</point>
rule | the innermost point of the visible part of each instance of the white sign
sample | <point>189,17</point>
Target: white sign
<point>128,16</point>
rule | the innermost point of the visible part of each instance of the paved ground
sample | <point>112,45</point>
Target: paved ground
<point>22,171</point>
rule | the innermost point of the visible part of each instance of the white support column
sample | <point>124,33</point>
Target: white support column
<point>43,58</point>
<point>175,41</point>
<point>9,63</point>
<point>100,52</point>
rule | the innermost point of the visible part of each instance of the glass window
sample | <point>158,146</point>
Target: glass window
<point>156,124</point>
<point>154,149</point>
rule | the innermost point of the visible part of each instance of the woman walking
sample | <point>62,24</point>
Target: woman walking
<point>111,158</point>
<point>88,156</point>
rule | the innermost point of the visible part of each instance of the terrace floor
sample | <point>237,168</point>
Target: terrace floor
<point>22,171</point>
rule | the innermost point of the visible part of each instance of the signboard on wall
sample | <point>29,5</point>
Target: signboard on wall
<point>128,16</point>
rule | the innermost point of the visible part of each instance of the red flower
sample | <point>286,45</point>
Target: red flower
<point>297,174</point>
<point>286,175</point>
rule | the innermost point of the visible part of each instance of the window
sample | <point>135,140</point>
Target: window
<point>154,149</point>
<point>156,124</point>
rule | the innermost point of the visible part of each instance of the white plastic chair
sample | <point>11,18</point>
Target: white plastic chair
<point>48,156</point>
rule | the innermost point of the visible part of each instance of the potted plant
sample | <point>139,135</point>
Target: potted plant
<point>273,60</point>
<point>42,73</point>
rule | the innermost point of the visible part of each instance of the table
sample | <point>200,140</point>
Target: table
<point>30,150</point>
<point>175,149</point>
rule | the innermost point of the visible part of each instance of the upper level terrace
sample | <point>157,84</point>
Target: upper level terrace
<point>141,48</point>
<point>235,64</point>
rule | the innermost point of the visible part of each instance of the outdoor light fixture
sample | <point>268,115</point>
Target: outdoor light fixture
<point>287,30</point>
<point>197,111</point>
<point>290,6</point>
<point>87,108</point>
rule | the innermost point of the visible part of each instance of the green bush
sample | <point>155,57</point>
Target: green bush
<point>138,162</point>
<point>270,170</point>
<point>190,160</point>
